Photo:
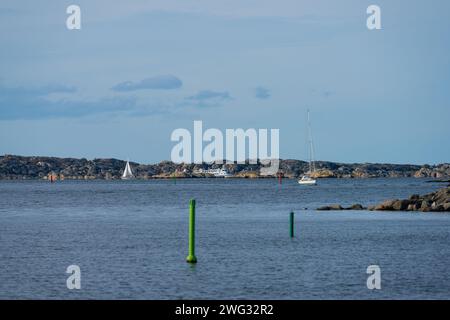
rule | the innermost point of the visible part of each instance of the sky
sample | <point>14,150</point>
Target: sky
<point>138,70</point>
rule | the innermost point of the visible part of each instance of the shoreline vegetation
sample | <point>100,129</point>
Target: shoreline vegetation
<point>13,167</point>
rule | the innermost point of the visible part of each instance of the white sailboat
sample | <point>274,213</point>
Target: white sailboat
<point>127,173</point>
<point>306,179</point>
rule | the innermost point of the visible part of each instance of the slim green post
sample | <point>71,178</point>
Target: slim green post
<point>291,224</point>
<point>191,257</point>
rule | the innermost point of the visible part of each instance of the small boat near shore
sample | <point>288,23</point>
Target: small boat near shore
<point>218,173</point>
<point>306,179</point>
<point>221,173</point>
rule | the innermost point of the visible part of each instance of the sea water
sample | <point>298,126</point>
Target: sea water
<point>129,239</point>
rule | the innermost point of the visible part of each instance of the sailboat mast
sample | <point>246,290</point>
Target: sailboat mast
<point>312,167</point>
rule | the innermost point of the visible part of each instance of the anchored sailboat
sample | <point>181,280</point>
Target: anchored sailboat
<point>127,173</point>
<point>307,179</point>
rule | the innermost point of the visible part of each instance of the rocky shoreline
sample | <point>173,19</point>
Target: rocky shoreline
<point>438,201</point>
<point>14,167</point>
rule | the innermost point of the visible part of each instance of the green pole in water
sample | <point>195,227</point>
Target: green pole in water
<point>291,224</point>
<point>191,257</point>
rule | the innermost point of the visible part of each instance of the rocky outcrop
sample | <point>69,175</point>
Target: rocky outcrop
<point>439,171</point>
<point>435,202</point>
<point>331,207</point>
<point>337,207</point>
<point>247,175</point>
<point>19,167</point>
<point>323,173</point>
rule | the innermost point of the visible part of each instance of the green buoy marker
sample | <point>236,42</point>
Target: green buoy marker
<point>291,224</point>
<point>191,258</point>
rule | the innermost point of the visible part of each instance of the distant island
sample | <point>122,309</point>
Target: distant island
<point>13,167</point>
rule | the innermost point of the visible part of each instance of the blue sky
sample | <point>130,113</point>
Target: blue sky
<point>140,69</point>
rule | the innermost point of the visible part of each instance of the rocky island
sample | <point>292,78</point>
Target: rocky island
<point>35,167</point>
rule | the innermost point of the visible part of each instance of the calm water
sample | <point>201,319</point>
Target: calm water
<point>130,240</point>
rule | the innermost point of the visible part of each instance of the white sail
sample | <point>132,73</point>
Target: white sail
<point>127,173</point>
